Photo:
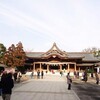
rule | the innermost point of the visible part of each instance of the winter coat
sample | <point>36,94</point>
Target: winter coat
<point>7,84</point>
<point>69,80</point>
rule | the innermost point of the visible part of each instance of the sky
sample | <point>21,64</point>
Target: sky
<point>73,25</point>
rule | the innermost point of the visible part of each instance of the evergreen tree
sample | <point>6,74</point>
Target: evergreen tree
<point>2,51</point>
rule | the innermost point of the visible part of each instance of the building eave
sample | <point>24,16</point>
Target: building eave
<point>85,64</point>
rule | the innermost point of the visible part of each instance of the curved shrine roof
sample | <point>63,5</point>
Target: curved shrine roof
<point>55,51</point>
<point>70,55</point>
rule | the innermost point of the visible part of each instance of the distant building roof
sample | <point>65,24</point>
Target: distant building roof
<point>54,50</point>
<point>84,56</point>
<point>34,54</point>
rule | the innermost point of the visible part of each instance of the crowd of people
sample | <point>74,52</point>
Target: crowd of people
<point>7,80</point>
<point>39,74</point>
<point>84,78</point>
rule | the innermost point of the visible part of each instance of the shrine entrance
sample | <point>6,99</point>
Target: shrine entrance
<point>58,66</point>
<point>54,67</point>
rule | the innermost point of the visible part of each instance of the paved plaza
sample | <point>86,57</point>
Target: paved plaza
<point>52,87</point>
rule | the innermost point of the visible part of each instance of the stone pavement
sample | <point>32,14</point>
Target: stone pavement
<point>52,87</point>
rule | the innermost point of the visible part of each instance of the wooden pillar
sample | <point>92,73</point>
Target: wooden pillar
<point>47,67</point>
<point>34,66</point>
<point>75,66</point>
<point>68,68</point>
<point>79,69</point>
<point>40,67</point>
<point>60,67</point>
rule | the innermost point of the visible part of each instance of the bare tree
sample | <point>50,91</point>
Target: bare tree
<point>94,50</point>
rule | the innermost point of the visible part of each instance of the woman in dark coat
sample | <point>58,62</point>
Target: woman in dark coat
<point>69,81</point>
<point>7,84</point>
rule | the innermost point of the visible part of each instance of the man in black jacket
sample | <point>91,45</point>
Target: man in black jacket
<point>7,84</point>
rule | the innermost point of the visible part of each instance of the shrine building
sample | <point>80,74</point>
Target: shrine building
<point>58,60</point>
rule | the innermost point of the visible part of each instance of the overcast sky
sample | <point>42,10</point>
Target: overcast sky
<point>72,24</point>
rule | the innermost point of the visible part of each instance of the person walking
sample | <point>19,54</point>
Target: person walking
<point>1,72</point>
<point>38,74</point>
<point>32,74</point>
<point>15,76</point>
<point>19,75</point>
<point>75,74</point>
<point>42,74</point>
<point>69,81</point>
<point>97,78</point>
<point>61,73</point>
<point>7,84</point>
<point>85,76</point>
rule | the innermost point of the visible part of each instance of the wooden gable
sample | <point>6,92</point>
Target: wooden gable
<point>54,52</point>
